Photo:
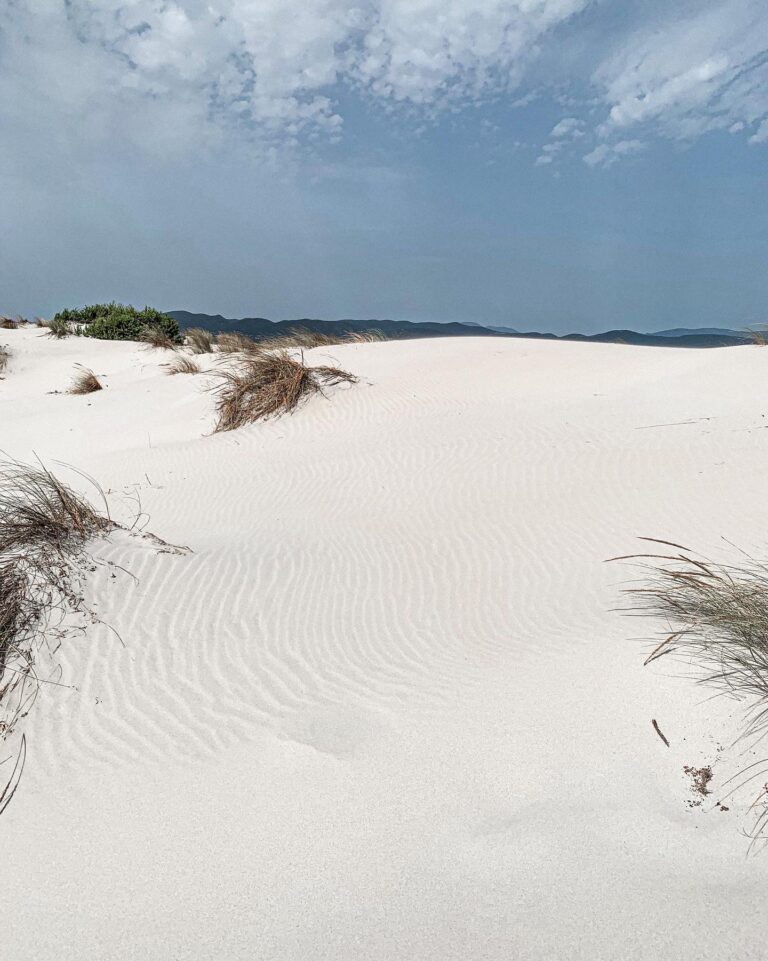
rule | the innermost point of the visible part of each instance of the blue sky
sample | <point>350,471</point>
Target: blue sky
<point>549,164</point>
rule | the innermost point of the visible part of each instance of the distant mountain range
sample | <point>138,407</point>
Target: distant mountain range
<point>261,327</point>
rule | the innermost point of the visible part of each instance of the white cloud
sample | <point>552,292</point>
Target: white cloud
<point>604,155</point>
<point>176,76</point>
<point>567,127</point>
<point>683,76</point>
<point>164,72</point>
<point>761,134</point>
<point>429,51</point>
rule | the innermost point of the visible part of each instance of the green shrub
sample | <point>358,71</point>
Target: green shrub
<point>119,321</point>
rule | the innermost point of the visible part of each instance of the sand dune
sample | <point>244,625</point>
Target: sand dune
<point>385,711</point>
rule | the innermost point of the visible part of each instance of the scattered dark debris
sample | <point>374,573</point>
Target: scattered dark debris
<point>700,777</point>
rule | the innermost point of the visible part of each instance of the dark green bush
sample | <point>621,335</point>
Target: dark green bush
<point>120,321</point>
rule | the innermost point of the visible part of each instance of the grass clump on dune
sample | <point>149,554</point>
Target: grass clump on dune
<point>365,336</point>
<point>718,615</point>
<point>85,382</point>
<point>155,336</point>
<point>44,526</point>
<point>301,338</point>
<point>183,365</point>
<point>234,343</point>
<point>13,613</point>
<point>267,384</point>
<point>297,338</point>
<point>199,341</point>
<point>41,517</point>
<point>58,328</point>
<point>8,323</point>
<point>718,624</point>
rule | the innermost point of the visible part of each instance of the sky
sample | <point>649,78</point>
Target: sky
<point>554,165</point>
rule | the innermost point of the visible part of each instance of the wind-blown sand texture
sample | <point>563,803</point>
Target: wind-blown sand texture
<point>385,711</point>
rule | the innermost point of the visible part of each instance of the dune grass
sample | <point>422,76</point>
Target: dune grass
<point>266,384</point>
<point>717,617</point>
<point>85,382</point>
<point>234,343</point>
<point>8,323</point>
<point>44,526</point>
<point>41,517</point>
<point>365,336</point>
<point>57,328</point>
<point>154,336</point>
<point>13,615</point>
<point>199,341</point>
<point>183,365</point>
<point>298,338</point>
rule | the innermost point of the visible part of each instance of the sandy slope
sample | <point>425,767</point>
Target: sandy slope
<point>384,712</point>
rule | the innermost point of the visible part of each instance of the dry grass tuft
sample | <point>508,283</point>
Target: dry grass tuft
<point>41,517</point>
<point>44,532</point>
<point>156,337</point>
<point>365,336</point>
<point>183,365</point>
<point>717,616</point>
<point>299,338</point>
<point>85,382</point>
<point>44,526</point>
<point>5,355</point>
<point>58,328</point>
<point>268,384</point>
<point>200,341</point>
<point>234,343</point>
<point>41,322</point>
<point>8,323</point>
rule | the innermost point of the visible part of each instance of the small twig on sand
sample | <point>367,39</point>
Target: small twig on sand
<point>657,729</point>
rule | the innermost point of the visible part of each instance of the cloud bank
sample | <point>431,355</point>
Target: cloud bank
<point>164,75</point>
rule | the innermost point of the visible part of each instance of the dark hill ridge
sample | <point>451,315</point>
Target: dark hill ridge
<point>260,328</point>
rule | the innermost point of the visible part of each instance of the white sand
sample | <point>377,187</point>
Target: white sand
<point>384,711</point>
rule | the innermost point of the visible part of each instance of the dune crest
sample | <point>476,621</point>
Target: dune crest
<point>386,710</point>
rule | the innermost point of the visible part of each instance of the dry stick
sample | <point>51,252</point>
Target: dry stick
<point>657,729</point>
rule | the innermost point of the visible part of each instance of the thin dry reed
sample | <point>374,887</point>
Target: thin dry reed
<point>268,384</point>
